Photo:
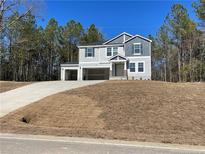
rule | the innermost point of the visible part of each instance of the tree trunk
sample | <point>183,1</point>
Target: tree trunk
<point>165,71</point>
<point>179,65</point>
<point>190,63</point>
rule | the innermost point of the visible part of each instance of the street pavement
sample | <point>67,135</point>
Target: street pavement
<point>32,144</point>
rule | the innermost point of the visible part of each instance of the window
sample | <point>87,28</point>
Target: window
<point>89,52</point>
<point>137,49</point>
<point>141,67</point>
<point>132,67</point>
<point>109,51</point>
<point>112,51</point>
<point>115,51</point>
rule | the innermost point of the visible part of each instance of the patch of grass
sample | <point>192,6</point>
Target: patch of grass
<point>10,85</point>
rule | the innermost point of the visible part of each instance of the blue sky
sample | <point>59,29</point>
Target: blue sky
<point>113,17</point>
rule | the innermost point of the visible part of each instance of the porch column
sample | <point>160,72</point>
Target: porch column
<point>110,69</point>
<point>62,74</point>
<point>80,73</point>
<point>125,68</point>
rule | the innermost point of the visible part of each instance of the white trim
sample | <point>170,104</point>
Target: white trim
<point>63,70</point>
<point>143,66</point>
<point>118,55</point>
<point>116,61</point>
<point>139,57</point>
<point>125,65</point>
<point>70,68</point>
<point>124,33</point>
<point>99,62</point>
<point>95,67</point>
<point>139,37</point>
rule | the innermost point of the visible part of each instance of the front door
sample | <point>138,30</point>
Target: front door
<point>119,69</point>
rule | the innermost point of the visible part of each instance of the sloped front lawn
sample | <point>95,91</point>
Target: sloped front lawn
<point>10,85</point>
<point>129,110</point>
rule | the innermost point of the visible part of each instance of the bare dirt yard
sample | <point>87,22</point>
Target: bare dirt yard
<point>9,85</point>
<point>129,110</point>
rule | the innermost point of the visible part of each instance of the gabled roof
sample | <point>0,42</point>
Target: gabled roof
<point>144,38</point>
<point>101,44</point>
<point>118,57</point>
<point>124,33</point>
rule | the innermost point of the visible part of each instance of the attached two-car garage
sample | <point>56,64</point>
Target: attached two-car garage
<point>95,73</point>
<point>76,72</point>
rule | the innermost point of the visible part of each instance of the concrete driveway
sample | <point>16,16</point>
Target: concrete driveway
<point>14,99</point>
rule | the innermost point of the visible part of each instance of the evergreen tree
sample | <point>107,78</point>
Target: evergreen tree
<point>92,35</point>
<point>73,33</point>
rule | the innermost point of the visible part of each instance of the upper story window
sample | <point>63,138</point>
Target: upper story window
<point>89,52</point>
<point>115,51</point>
<point>137,48</point>
<point>132,67</point>
<point>140,67</point>
<point>109,51</point>
<point>112,51</point>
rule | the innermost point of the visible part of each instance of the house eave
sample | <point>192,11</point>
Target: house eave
<point>123,58</point>
<point>70,65</point>
<point>96,46</point>
<point>124,33</point>
<point>144,38</point>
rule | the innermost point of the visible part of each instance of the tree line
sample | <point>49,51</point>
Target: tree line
<point>32,53</point>
<point>178,50</point>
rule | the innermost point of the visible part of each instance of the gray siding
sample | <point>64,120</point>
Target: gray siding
<point>127,37</point>
<point>146,47</point>
<point>117,40</point>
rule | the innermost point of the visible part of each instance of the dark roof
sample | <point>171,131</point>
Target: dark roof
<point>93,43</point>
<point>70,64</point>
<point>96,43</point>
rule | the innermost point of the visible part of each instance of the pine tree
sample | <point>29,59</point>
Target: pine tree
<point>92,35</point>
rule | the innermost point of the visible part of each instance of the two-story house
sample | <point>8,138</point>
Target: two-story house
<point>122,57</point>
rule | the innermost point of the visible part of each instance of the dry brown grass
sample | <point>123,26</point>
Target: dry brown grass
<point>129,110</point>
<point>9,85</point>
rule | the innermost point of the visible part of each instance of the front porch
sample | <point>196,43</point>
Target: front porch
<point>118,68</point>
